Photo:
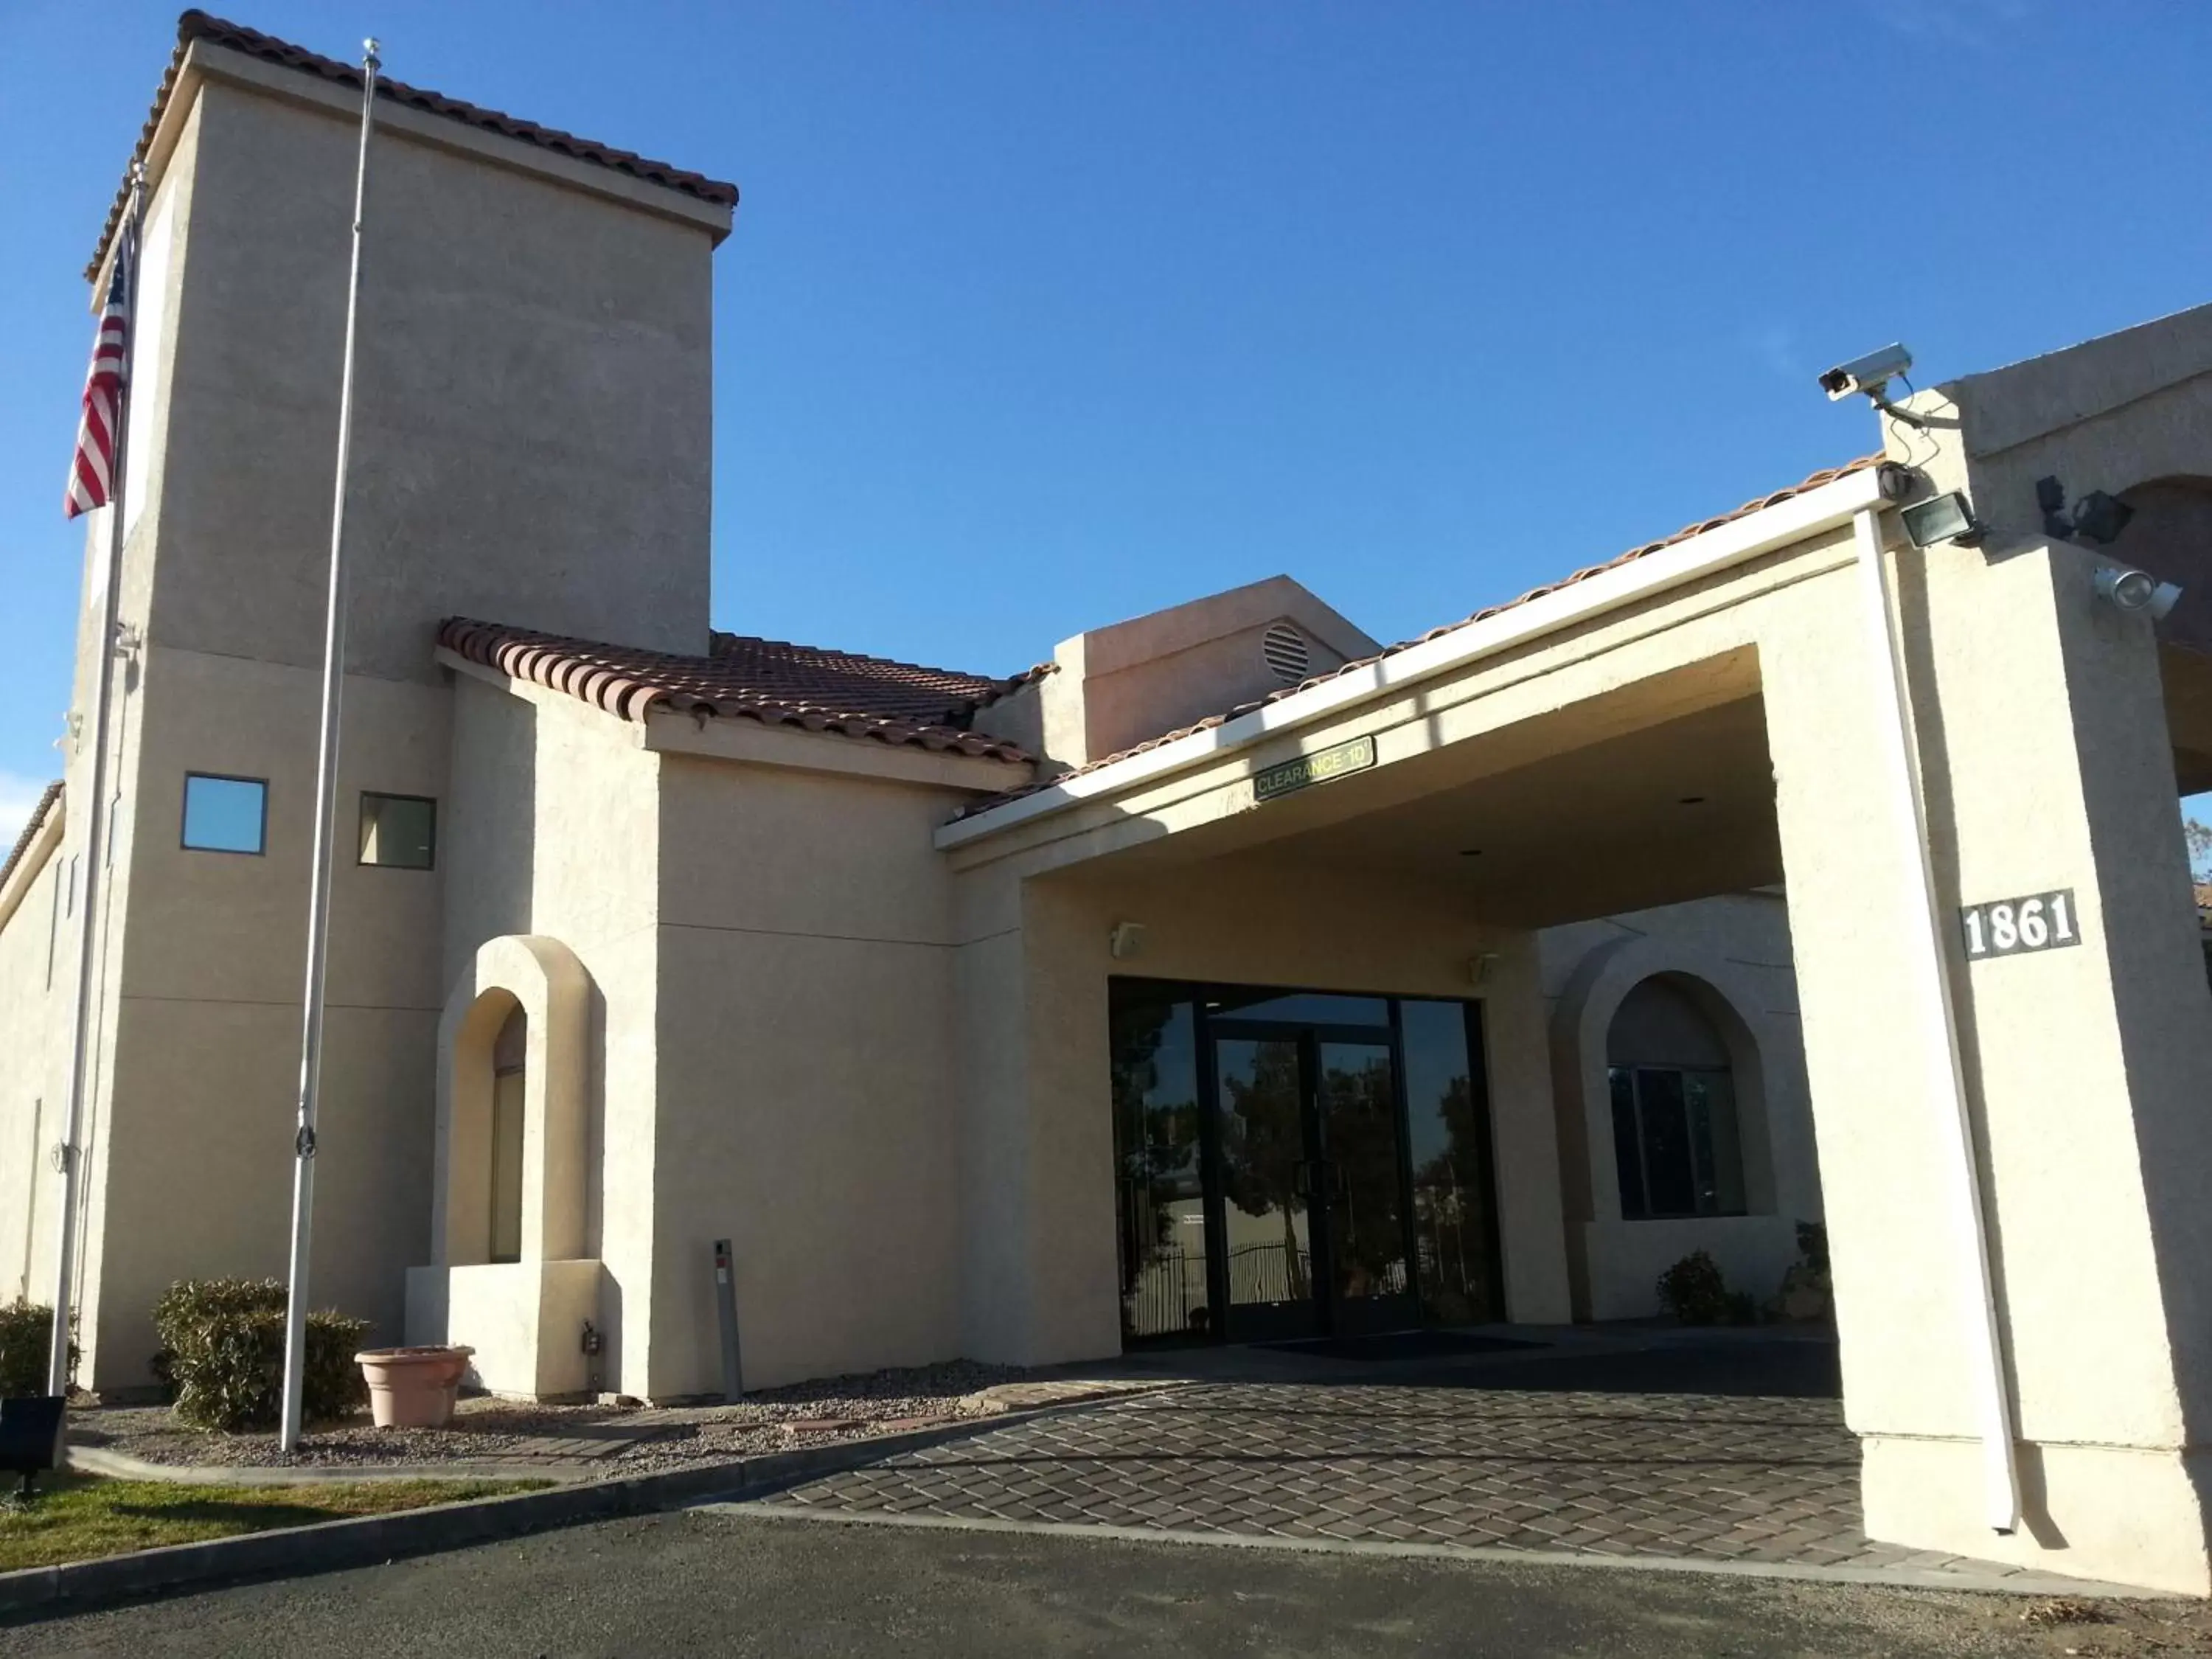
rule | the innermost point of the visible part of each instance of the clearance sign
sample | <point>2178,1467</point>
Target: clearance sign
<point>1319,767</point>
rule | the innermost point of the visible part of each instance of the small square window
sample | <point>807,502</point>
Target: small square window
<point>224,815</point>
<point>399,832</point>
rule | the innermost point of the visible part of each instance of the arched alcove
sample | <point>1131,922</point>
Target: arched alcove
<point>1660,1055</point>
<point>1677,1146</point>
<point>2170,535</point>
<point>512,1126</point>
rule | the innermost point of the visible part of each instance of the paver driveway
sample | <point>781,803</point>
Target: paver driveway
<point>1531,1457</point>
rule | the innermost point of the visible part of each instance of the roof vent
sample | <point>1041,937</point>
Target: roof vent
<point>1284,648</point>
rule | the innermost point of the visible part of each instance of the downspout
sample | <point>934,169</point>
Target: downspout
<point>1930,983</point>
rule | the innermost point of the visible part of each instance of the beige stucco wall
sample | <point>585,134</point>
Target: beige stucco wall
<point>523,1321</point>
<point>1127,682</point>
<point>2040,726</point>
<point>533,410</point>
<point>557,823</point>
<point>37,968</point>
<point>2048,766</point>
<point>807,1049</point>
<point>207,965</point>
<point>531,443</point>
<point>1734,948</point>
<point>1036,1110</point>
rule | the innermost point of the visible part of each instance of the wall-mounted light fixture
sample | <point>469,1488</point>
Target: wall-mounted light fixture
<point>2097,517</point>
<point>1481,966</point>
<point>1126,941</point>
<point>1946,518</point>
<point>2137,591</point>
<point>2101,517</point>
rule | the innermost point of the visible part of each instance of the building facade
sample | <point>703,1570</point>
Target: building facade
<point>1226,976</point>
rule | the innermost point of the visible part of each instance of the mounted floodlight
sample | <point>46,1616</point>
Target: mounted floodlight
<point>1871,374</point>
<point>2097,517</point>
<point>2101,517</point>
<point>1946,518</point>
<point>2137,591</point>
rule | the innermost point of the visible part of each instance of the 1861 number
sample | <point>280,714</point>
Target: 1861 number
<point>2004,928</point>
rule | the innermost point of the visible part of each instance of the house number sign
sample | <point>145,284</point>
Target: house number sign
<point>2006,927</point>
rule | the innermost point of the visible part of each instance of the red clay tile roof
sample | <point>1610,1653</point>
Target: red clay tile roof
<point>1634,553</point>
<point>46,805</point>
<point>196,25</point>
<point>766,680</point>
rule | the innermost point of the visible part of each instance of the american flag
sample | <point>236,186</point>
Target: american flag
<point>92,470</point>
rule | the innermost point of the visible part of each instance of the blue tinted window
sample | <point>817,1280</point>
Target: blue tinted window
<point>224,815</point>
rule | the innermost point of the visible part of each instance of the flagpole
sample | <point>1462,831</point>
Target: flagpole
<point>319,891</point>
<point>69,1153</point>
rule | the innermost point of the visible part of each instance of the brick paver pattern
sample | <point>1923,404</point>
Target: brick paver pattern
<point>1746,1479</point>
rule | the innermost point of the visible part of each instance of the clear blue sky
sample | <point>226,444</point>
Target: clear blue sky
<point>1040,316</point>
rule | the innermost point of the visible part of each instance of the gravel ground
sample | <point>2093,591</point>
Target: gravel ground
<point>626,1440</point>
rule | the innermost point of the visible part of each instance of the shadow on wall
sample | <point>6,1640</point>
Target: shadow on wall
<point>607,1365</point>
<point>2171,537</point>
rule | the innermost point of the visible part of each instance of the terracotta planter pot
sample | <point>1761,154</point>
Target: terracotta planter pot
<point>413,1388</point>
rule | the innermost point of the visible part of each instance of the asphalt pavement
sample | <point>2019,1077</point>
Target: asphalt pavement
<point>713,1583</point>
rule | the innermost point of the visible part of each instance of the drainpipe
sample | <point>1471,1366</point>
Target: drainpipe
<point>1930,981</point>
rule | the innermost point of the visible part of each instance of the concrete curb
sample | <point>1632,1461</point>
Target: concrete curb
<point>371,1539</point>
<point>1994,1579</point>
<point>118,1466</point>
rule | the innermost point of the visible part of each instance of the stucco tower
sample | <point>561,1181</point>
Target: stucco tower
<point>531,441</point>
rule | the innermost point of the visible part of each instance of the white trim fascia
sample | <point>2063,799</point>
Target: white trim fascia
<point>1830,507</point>
<point>744,741</point>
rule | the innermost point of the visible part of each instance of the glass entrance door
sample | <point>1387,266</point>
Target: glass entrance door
<point>1369,1283</point>
<point>1262,1111</point>
<point>1295,1164</point>
<point>1313,1180</point>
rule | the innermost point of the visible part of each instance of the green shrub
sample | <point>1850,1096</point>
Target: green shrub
<point>1813,1247</point>
<point>1694,1290</point>
<point>223,1352</point>
<point>27,1338</point>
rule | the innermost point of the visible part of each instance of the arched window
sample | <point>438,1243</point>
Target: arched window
<point>507,1050</point>
<point>1675,1138</point>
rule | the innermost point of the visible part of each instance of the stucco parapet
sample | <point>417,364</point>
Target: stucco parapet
<point>303,77</point>
<point>2004,408</point>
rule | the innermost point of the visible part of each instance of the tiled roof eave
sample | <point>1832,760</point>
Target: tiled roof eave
<point>40,812</point>
<point>632,685</point>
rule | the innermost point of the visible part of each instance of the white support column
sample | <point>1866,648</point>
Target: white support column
<point>2040,743</point>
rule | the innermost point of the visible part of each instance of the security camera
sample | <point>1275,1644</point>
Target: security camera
<point>1869,374</point>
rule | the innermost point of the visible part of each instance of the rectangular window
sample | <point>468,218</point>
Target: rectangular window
<point>507,1166</point>
<point>1675,1143</point>
<point>224,815</point>
<point>399,832</point>
<point>1448,1145</point>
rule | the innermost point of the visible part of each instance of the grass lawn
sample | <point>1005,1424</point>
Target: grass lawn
<point>76,1517</point>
